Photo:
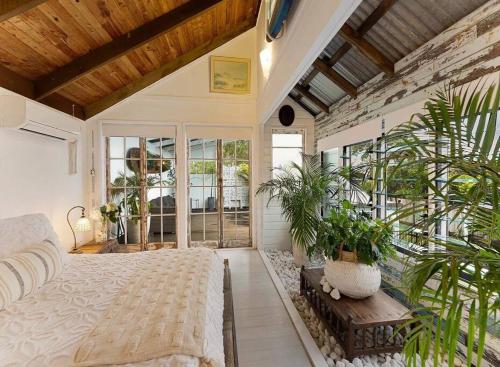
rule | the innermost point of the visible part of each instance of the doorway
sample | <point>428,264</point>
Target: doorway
<point>219,193</point>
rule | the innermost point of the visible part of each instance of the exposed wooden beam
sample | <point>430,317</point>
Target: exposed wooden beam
<point>373,18</point>
<point>335,77</point>
<point>120,46</point>
<point>166,69</point>
<point>16,83</point>
<point>305,93</point>
<point>366,48</point>
<point>11,8</point>
<point>25,87</point>
<point>302,104</point>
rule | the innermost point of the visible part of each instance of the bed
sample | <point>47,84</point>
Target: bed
<point>52,326</point>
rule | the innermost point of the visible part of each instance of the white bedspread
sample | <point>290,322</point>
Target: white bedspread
<point>45,328</point>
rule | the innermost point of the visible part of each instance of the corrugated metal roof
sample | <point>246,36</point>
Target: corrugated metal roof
<point>404,28</point>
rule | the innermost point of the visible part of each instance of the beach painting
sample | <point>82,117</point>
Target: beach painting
<point>229,75</point>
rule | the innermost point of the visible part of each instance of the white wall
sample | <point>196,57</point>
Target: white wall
<point>182,101</point>
<point>35,179</point>
<point>310,28</point>
<point>275,230</point>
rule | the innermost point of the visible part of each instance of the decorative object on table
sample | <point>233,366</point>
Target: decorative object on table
<point>82,224</point>
<point>110,215</point>
<point>353,243</point>
<point>300,190</point>
<point>276,13</point>
<point>361,326</point>
<point>229,75</point>
<point>457,278</point>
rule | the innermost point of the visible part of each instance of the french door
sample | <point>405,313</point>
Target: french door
<point>141,181</point>
<point>219,193</point>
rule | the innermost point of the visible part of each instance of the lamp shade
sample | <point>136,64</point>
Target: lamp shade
<point>82,225</point>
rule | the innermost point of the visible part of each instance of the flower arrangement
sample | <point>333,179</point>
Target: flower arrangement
<point>110,211</point>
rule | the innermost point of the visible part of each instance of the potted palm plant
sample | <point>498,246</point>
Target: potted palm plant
<point>353,243</point>
<point>300,189</point>
<point>456,280</point>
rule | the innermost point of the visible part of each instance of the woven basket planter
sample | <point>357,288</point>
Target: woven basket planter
<point>351,278</point>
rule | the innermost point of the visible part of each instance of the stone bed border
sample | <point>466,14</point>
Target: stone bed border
<point>312,350</point>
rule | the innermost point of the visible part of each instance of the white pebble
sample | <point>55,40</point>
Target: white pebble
<point>357,362</point>
<point>340,364</point>
<point>335,294</point>
<point>327,288</point>
<point>325,350</point>
<point>330,362</point>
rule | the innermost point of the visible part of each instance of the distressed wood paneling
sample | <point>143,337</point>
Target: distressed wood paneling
<point>464,52</point>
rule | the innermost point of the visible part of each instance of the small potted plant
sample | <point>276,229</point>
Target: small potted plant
<point>353,244</point>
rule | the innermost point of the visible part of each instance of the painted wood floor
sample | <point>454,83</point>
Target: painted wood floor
<point>264,332</point>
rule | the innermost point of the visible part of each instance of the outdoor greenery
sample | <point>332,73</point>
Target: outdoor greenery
<point>346,229</point>
<point>458,279</point>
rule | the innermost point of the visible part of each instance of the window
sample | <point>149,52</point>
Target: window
<point>287,147</point>
<point>353,157</point>
<point>330,158</point>
<point>141,181</point>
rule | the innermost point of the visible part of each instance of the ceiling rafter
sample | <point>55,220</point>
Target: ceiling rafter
<point>120,46</point>
<point>335,77</point>
<point>372,19</point>
<point>166,69</point>
<point>366,48</point>
<point>307,94</point>
<point>302,104</point>
<point>25,87</point>
<point>11,8</point>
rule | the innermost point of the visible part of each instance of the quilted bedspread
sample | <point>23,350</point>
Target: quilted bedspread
<point>83,305</point>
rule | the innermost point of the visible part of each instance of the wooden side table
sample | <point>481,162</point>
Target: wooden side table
<point>361,326</point>
<point>97,247</point>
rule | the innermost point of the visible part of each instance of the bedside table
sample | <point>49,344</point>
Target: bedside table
<point>97,247</point>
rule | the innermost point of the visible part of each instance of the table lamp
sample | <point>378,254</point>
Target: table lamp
<point>82,224</point>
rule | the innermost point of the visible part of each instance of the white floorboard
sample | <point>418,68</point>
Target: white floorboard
<point>265,334</point>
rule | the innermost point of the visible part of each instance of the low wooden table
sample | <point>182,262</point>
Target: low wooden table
<point>362,327</point>
<point>97,247</point>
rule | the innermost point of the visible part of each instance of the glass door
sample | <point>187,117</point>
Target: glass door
<point>141,182</point>
<point>219,189</point>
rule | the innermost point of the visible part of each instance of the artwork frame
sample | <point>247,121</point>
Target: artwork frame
<point>235,69</point>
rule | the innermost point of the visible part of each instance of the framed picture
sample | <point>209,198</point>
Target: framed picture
<point>229,75</point>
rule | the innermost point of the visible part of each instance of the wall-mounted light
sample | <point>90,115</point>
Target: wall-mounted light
<point>266,61</point>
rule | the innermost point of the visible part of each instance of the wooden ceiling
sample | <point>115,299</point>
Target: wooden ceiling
<point>83,56</point>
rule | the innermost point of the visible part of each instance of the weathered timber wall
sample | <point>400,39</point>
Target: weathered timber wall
<point>468,50</point>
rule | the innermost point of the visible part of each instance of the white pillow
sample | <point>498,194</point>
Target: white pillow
<point>19,233</point>
<point>25,272</point>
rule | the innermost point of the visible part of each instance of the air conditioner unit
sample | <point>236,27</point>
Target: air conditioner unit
<point>19,113</point>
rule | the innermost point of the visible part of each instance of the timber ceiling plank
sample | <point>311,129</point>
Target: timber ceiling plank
<point>166,69</point>
<point>304,92</point>
<point>367,49</point>
<point>372,19</point>
<point>12,8</point>
<point>123,44</point>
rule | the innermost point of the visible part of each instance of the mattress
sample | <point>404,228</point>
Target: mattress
<point>45,328</point>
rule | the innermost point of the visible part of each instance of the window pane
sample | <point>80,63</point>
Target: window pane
<point>116,149</point>
<point>154,200</point>
<point>116,172</point>
<point>242,149</point>
<point>168,201</point>
<point>195,148</point>
<point>287,140</point>
<point>283,156</point>
<point>228,173</point>
<point>196,199</point>
<point>196,171</point>
<point>230,200</point>
<point>210,149</point>
<point>243,198</point>
<point>168,148</point>
<point>210,199</point>
<point>197,227</point>
<point>229,149</point>
<point>153,148</point>
<point>212,227</point>
<point>242,174</point>
<point>210,175</point>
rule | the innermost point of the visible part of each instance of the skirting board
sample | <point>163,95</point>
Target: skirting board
<point>307,340</point>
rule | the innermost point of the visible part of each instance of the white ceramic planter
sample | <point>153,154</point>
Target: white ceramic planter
<point>355,280</point>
